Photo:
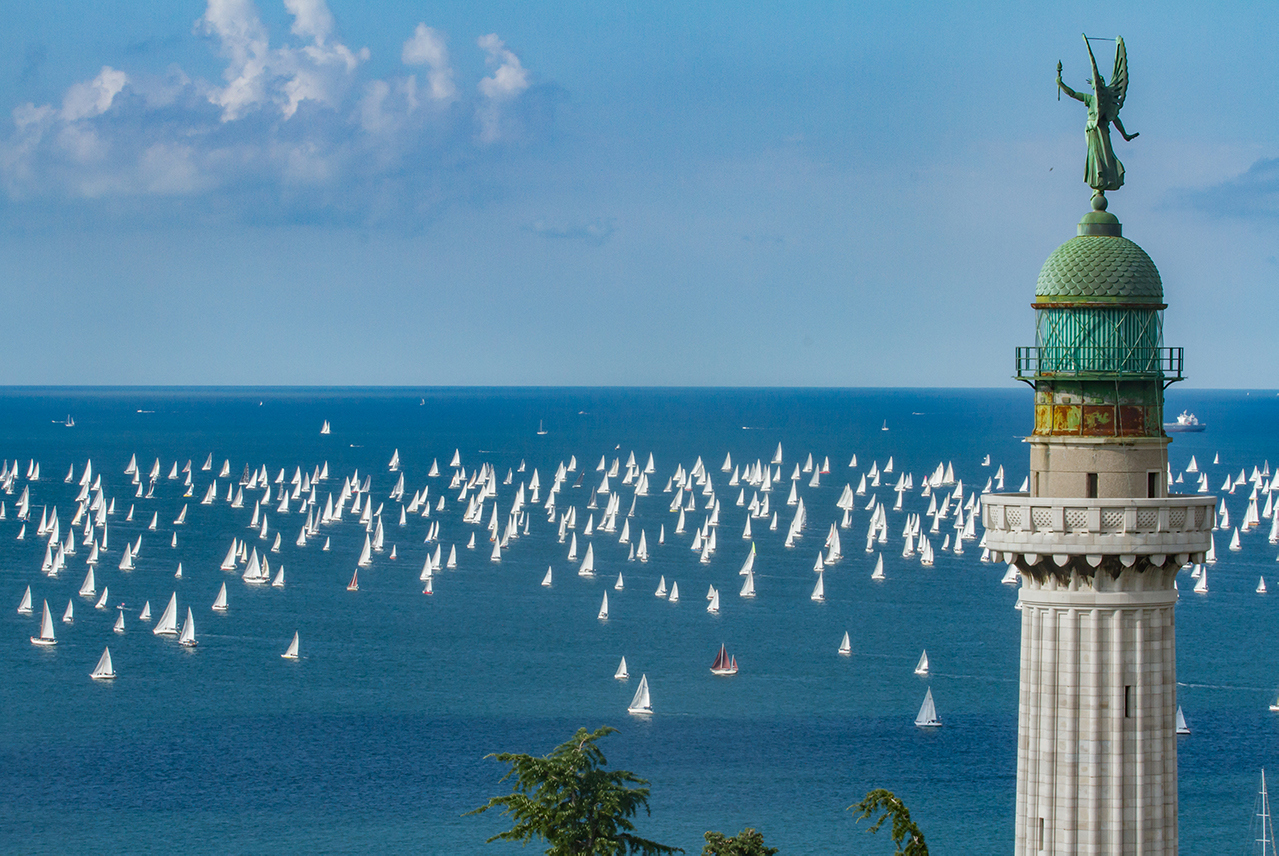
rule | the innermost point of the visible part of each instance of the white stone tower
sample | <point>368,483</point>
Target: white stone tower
<point>1098,543</point>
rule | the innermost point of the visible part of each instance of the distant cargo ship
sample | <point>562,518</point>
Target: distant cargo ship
<point>1186,423</point>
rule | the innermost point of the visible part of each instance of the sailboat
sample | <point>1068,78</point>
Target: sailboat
<point>921,668</point>
<point>430,586</point>
<point>104,671</point>
<point>292,652</point>
<point>927,717</point>
<point>661,587</point>
<point>354,584</point>
<point>618,585</point>
<point>723,665</point>
<point>819,590</point>
<point>621,674</point>
<point>119,622</point>
<point>46,636</point>
<point>713,606</point>
<point>168,623</point>
<point>145,614</point>
<point>1201,587</point>
<point>878,573</point>
<point>325,429</point>
<point>1263,828</point>
<point>187,639</point>
<point>219,603</point>
<point>603,616</point>
<point>24,607</point>
<point>1182,727</point>
<point>674,596</point>
<point>68,617</point>
<point>546,580</point>
<point>540,429</point>
<point>846,646</point>
<point>641,704</point>
<point>1261,585</point>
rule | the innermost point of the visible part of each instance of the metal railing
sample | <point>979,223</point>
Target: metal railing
<point>1100,363</point>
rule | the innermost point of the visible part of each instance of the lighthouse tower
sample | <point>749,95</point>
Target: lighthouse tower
<point>1098,542</point>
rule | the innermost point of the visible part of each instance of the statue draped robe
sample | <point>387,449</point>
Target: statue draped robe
<point>1102,170</point>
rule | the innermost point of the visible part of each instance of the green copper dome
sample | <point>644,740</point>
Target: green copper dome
<point>1099,266</point>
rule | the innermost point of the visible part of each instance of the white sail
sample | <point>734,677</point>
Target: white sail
<point>68,617</point>
<point>713,606</point>
<point>187,639</point>
<point>88,588</point>
<point>661,587</point>
<point>846,646</point>
<point>921,668</point>
<point>878,573</point>
<point>641,703</point>
<point>748,585</point>
<point>219,603</point>
<point>603,616</point>
<point>46,636</point>
<point>102,601</point>
<point>819,590</point>
<point>104,671</point>
<point>1201,587</point>
<point>674,595</point>
<point>1182,727</point>
<point>24,606</point>
<point>292,652</point>
<point>927,717</point>
<point>1261,585</point>
<point>587,568</point>
<point>621,674</point>
<point>168,623</point>
<point>119,622</point>
<point>145,614</point>
<point>618,585</point>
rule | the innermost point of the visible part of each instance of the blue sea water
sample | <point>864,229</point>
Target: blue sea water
<point>376,739</point>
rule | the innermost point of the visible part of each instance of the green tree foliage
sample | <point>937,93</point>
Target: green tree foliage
<point>880,800</point>
<point>570,801</point>
<point>748,842</point>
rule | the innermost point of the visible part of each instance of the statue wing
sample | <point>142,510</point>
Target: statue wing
<point>1119,79</point>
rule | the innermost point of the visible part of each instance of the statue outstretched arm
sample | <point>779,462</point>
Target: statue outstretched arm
<point>1066,89</point>
<point>1119,126</point>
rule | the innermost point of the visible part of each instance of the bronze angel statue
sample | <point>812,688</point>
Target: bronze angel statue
<point>1102,170</point>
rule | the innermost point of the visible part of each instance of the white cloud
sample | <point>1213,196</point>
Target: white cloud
<point>311,19</point>
<point>508,80</point>
<point>93,98</point>
<point>426,47</point>
<point>361,142</point>
<point>246,46</point>
<point>286,76</point>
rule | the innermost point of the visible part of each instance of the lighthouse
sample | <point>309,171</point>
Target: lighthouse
<point>1098,541</point>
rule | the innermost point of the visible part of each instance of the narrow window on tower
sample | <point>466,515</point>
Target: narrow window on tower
<point>1130,701</point>
<point>1041,833</point>
<point>1152,484</point>
<point>1036,492</point>
<point>1092,485</point>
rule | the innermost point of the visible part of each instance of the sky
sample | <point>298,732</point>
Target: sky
<point>708,194</point>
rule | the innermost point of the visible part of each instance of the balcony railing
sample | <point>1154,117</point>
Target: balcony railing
<point>1087,363</point>
<point>1017,523</point>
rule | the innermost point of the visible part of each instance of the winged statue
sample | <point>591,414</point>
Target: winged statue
<point>1102,170</point>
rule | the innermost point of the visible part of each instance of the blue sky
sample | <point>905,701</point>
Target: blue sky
<point>825,194</point>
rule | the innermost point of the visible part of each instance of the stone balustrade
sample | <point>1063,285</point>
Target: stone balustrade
<point>1030,527</point>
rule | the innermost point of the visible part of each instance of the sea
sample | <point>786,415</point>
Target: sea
<point>379,737</point>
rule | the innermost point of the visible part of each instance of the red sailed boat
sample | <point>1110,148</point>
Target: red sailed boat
<point>724,665</point>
